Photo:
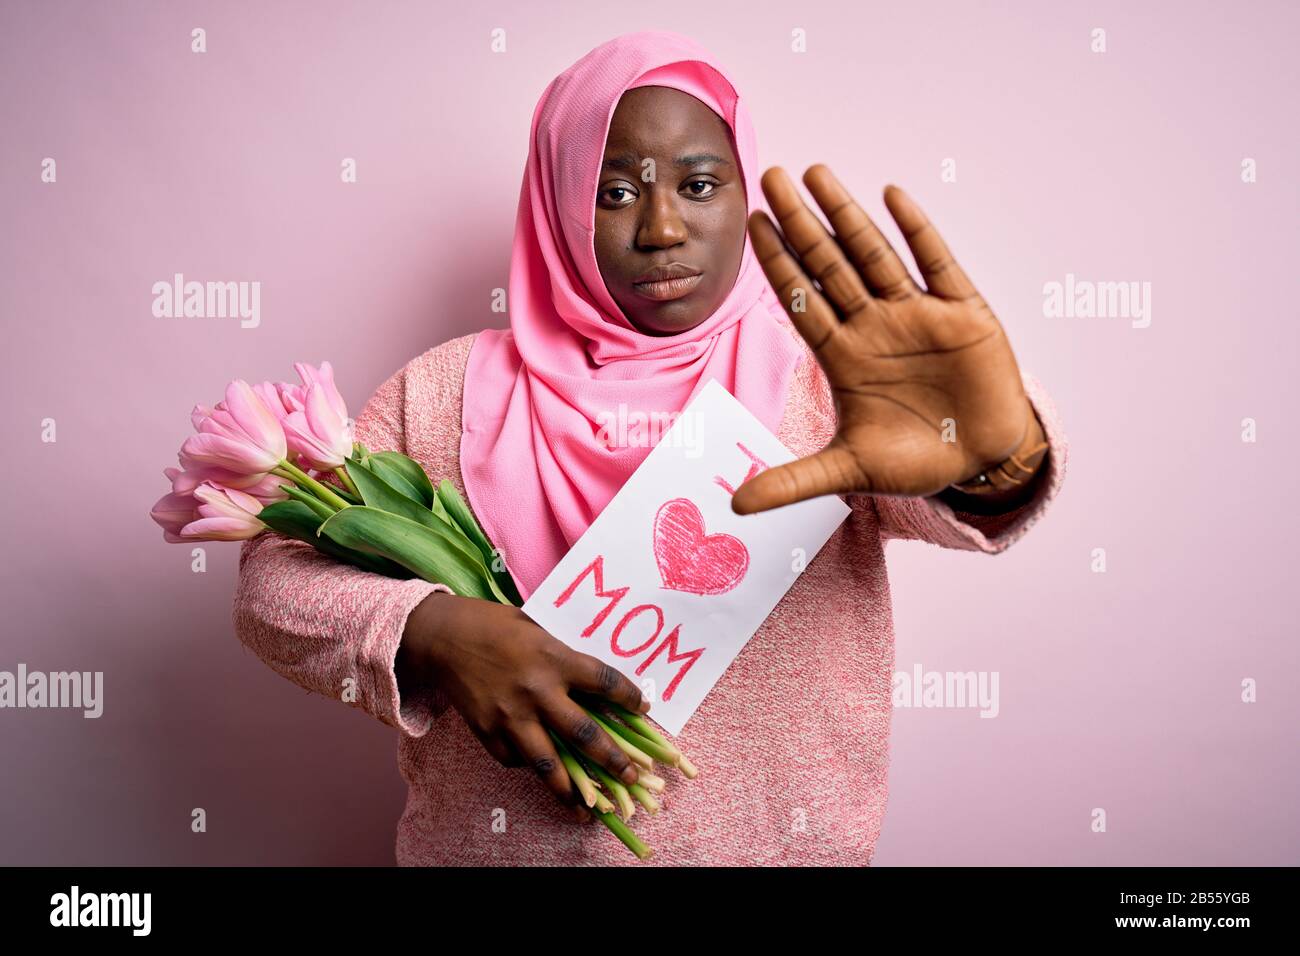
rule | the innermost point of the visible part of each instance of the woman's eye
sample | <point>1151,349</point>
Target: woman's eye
<point>619,195</point>
<point>701,188</point>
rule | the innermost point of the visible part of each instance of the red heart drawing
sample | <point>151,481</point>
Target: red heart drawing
<point>689,559</point>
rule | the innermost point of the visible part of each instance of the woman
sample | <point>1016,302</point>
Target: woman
<point>632,282</point>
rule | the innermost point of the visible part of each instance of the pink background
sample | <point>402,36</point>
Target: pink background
<point>1118,690</point>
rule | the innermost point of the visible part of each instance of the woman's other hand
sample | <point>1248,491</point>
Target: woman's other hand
<point>926,388</point>
<point>510,681</point>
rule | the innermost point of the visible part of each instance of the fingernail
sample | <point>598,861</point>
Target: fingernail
<point>630,775</point>
<point>645,703</point>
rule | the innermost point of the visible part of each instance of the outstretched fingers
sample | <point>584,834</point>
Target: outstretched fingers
<point>869,251</point>
<point>943,276</point>
<point>810,314</point>
<point>819,254</point>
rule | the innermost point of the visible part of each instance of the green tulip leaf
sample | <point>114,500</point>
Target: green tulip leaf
<point>295,519</point>
<point>395,464</point>
<point>454,505</point>
<point>382,495</point>
<point>378,492</point>
<point>431,553</point>
<point>441,512</point>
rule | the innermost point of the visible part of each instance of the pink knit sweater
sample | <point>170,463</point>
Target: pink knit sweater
<point>792,759</point>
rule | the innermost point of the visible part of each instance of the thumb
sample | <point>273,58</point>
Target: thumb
<point>833,470</point>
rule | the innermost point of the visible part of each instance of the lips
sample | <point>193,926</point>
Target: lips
<point>663,283</point>
<point>673,270</point>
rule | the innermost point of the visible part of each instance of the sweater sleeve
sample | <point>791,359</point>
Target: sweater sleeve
<point>329,627</point>
<point>926,519</point>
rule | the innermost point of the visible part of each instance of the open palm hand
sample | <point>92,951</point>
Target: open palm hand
<point>926,388</point>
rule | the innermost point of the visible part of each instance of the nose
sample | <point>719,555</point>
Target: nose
<point>661,224</point>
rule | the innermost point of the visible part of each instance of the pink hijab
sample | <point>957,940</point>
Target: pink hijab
<point>536,395</point>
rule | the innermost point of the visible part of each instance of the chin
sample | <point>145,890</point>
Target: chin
<point>667,328</point>
<point>667,321</point>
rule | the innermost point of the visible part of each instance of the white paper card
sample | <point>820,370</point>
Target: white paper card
<point>668,584</point>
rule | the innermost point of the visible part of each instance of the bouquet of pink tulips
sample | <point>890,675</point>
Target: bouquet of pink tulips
<point>257,462</point>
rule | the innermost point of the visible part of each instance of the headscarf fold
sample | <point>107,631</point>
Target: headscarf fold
<point>537,395</point>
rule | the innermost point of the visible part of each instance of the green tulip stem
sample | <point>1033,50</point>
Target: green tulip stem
<point>634,753</point>
<point>347,481</point>
<point>318,507</point>
<point>617,789</point>
<point>624,833</point>
<point>644,744</point>
<point>645,798</point>
<point>288,469</point>
<point>579,776</point>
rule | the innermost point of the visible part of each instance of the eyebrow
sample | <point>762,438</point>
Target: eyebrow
<point>630,161</point>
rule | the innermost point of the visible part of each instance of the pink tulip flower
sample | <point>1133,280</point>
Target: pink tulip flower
<point>172,512</point>
<point>225,476</point>
<point>318,428</point>
<point>266,488</point>
<point>268,491</point>
<point>224,514</point>
<point>241,435</point>
<point>295,396</point>
<point>185,480</point>
<point>272,395</point>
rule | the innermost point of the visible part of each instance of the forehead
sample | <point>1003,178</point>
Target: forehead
<point>658,119</point>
